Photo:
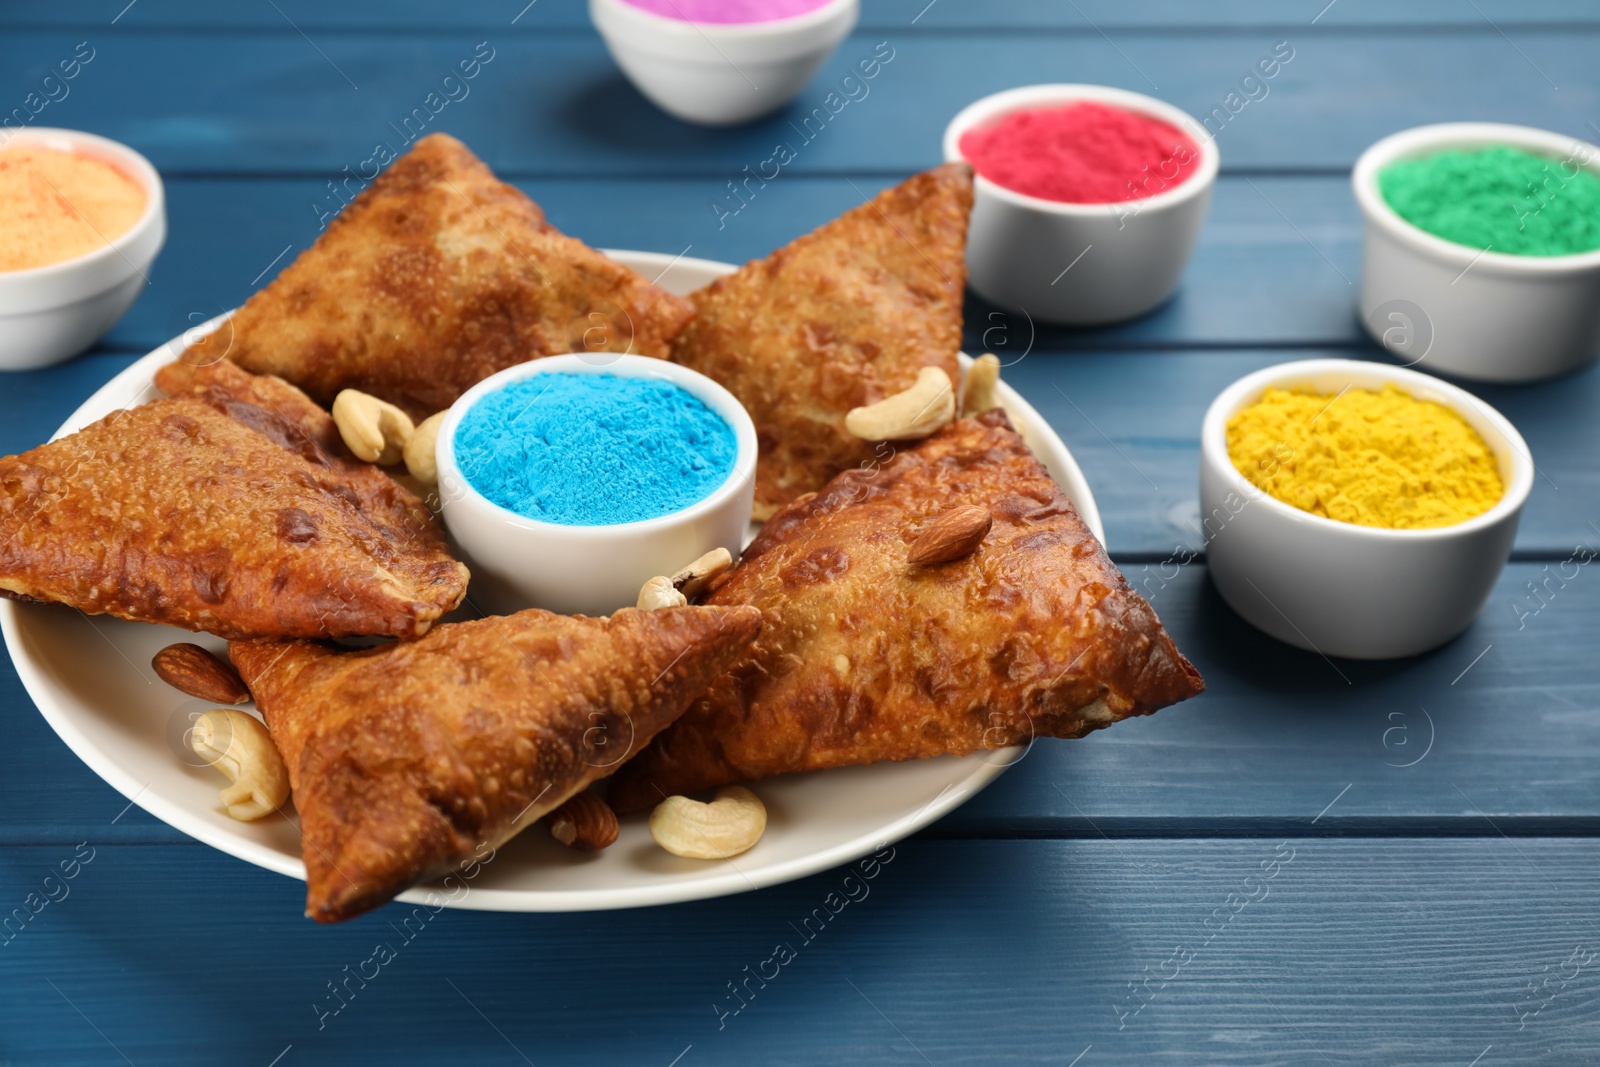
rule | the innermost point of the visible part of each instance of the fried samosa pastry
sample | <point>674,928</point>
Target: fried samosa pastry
<point>436,276</point>
<point>864,656</point>
<point>838,319</point>
<point>407,759</point>
<point>231,507</point>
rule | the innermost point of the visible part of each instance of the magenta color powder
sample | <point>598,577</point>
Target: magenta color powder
<point>727,11</point>
<point>1081,153</point>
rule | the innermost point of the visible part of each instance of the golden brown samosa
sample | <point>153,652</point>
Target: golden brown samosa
<point>436,276</point>
<point>407,759</point>
<point>837,319</point>
<point>231,507</point>
<point>864,656</point>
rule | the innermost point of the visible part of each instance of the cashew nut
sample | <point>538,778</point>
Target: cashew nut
<point>419,449</point>
<point>236,744</point>
<point>907,415</point>
<point>729,825</point>
<point>693,579</point>
<point>978,394</point>
<point>659,593</point>
<point>375,430</point>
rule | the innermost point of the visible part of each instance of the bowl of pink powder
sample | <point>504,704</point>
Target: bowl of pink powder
<point>721,62</point>
<point>1089,199</point>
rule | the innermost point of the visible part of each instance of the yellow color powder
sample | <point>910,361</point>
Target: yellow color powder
<point>1373,459</point>
<point>56,206</point>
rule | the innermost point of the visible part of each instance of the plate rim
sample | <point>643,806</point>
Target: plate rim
<point>726,879</point>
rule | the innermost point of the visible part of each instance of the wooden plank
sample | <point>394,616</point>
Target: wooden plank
<point>275,102</point>
<point>1261,279</point>
<point>1501,721</point>
<point>1274,266</point>
<point>1133,422</point>
<point>1086,16</point>
<point>1132,417</point>
<point>1505,720</point>
<point>1229,953</point>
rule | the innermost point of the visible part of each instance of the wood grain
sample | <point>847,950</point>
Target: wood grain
<point>551,104</point>
<point>1428,915</point>
<point>1276,736</point>
<point>1276,950</point>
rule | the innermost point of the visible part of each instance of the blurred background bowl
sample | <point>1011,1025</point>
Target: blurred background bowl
<point>1335,587</point>
<point>720,74</point>
<point>1460,310</point>
<point>50,314</point>
<point>1020,247</point>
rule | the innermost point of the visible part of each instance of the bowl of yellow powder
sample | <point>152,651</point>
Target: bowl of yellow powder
<point>81,220</point>
<point>1358,509</point>
<point>1481,249</point>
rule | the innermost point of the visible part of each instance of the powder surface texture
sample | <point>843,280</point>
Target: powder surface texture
<point>593,449</point>
<point>1081,153</point>
<point>56,206</point>
<point>1369,458</point>
<point>727,11</point>
<point>1498,198</point>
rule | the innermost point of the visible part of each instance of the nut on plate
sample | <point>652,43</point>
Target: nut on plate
<point>584,822</point>
<point>977,395</point>
<point>375,430</point>
<point>693,579</point>
<point>729,825</point>
<point>419,449</point>
<point>238,745</point>
<point>913,413</point>
<point>659,592</point>
<point>196,672</point>
<point>957,532</point>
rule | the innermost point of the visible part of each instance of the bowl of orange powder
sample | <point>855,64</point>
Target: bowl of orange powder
<point>81,220</point>
<point>1358,509</point>
<point>1088,201</point>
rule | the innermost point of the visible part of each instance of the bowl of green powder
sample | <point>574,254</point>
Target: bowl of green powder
<point>570,481</point>
<point>1481,249</point>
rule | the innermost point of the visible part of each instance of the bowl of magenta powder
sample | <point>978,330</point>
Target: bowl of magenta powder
<point>720,62</point>
<point>568,482</point>
<point>1481,249</point>
<point>1089,200</point>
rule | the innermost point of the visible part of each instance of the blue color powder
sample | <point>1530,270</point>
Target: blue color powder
<point>593,449</point>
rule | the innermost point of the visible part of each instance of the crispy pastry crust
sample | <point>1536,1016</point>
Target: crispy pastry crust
<point>864,657</point>
<point>436,276</point>
<point>232,507</point>
<point>841,317</point>
<point>411,759</point>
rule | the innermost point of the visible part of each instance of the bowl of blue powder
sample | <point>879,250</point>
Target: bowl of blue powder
<point>568,482</point>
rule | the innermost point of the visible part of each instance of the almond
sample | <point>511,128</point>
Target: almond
<point>955,533</point>
<point>584,822</point>
<point>191,669</point>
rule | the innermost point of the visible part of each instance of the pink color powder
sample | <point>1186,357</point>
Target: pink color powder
<point>727,11</point>
<point>1081,153</point>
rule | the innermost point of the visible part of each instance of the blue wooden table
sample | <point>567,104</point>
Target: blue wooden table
<point>1342,863</point>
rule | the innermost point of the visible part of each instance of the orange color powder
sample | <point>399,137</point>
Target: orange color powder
<point>1081,153</point>
<point>56,206</point>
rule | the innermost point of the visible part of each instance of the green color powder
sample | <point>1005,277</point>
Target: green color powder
<point>1499,198</point>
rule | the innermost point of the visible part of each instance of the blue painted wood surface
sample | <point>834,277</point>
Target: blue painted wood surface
<point>1107,901</point>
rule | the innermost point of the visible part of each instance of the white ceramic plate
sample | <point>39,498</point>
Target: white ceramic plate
<point>92,681</point>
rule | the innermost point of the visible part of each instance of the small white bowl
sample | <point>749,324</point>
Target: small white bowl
<point>50,314</point>
<point>1082,264</point>
<point>1335,587</point>
<point>719,74</point>
<point>1486,315</point>
<point>518,562</point>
